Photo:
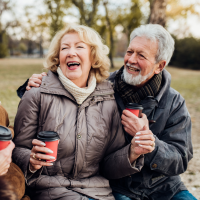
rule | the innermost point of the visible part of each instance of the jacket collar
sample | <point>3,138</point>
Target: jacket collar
<point>162,95</point>
<point>52,85</point>
<point>160,101</point>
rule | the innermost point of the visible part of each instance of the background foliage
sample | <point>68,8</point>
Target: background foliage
<point>31,34</point>
<point>186,54</point>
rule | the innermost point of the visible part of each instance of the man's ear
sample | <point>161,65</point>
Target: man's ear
<point>160,66</point>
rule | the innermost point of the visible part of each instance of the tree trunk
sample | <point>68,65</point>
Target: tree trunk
<point>158,12</point>
<point>41,47</point>
<point>30,48</point>
<point>111,36</point>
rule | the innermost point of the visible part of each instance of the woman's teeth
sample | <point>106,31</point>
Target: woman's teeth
<point>72,64</point>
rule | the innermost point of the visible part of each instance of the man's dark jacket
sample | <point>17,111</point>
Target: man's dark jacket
<point>159,178</point>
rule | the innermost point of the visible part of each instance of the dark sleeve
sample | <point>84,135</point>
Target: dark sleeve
<point>25,126</point>
<point>116,163</point>
<point>173,147</point>
<point>22,89</point>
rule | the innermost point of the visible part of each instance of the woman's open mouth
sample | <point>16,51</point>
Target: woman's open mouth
<point>73,65</point>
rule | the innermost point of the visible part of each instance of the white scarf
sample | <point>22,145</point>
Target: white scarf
<point>80,94</point>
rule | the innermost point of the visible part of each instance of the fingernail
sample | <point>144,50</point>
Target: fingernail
<point>42,143</point>
<point>50,151</point>
<point>51,157</point>
<point>138,133</point>
<point>50,163</point>
<point>137,137</point>
<point>137,141</point>
<point>140,145</point>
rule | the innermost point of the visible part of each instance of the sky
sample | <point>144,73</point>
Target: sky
<point>192,24</point>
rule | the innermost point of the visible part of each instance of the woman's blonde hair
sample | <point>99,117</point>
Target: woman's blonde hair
<point>99,51</point>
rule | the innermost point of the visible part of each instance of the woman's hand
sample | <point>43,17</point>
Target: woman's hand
<point>142,143</point>
<point>133,124</point>
<point>38,156</point>
<point>35,80</point>
<point>5,158</point>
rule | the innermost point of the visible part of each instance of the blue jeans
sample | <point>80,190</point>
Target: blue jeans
<point>119,196</point>
<point>183,195</point>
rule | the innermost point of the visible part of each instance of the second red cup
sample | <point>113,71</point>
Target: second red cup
<point>135,108</point>
<point>51,139</point>
<point>5,137</point>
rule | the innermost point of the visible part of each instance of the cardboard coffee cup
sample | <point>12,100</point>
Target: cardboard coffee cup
<point>135,108</point>
<point>51,139</point>
<point>5,137</point>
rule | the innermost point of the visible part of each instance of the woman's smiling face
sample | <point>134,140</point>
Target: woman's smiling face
<point>75,61</point>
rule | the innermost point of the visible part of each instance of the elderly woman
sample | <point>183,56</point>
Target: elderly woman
<point>75,101</point>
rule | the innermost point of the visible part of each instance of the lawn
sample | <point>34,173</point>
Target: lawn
<point>14,72</point>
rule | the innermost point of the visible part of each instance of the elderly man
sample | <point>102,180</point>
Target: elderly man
<point>144,80</point>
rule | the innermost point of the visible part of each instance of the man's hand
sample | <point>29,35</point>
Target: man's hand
<point>5,158</point>
<point>133,124</point>
<point>35,80</point>
<point>142,143</point>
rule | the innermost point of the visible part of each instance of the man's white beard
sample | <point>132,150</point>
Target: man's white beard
<point>135,80</point>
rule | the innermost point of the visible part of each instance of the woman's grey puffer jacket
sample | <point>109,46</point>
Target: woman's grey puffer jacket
<point>88,133</point>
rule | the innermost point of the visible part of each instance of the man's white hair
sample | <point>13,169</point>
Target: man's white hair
<point>156,32</point>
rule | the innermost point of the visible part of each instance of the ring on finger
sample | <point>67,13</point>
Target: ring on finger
<point>153,145</point>
<point>35,157</point>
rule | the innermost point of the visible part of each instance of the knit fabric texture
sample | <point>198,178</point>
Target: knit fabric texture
<point>129,95</point>
<point>80,94</point>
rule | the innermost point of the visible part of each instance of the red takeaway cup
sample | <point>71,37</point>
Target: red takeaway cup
<point>135,108</point>
<point>5,137</point>
<point>51,139</point>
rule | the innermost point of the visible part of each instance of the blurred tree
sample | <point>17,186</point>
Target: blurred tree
<point>130,17</point>
<point>4,6</point>
<point>57,10</point>
<point>176,9</point>
<point>41,25</point>
<point>29,29</point>
<point>121,45</point>
<point>111,32</point>
<point>163,10</point>
<point>157,12</point>
<point>3,44</point>
<point>5,39</point>
<point>22,47</point>
<point>87,11</point>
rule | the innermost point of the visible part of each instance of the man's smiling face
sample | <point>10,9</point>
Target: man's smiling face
<point>139,62</point>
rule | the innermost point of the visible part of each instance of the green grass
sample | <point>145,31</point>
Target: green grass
<point>14,72</point>
<point>187,82</point>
